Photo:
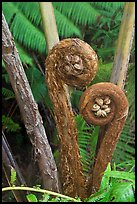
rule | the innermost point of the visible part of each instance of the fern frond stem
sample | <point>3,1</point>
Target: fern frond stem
<point>49,24</point>
<point>115,121</point>
<point>124,45</point>
<point>60,70</point>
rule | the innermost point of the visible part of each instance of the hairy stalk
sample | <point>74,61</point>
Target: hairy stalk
<point>104,104</point>
<point>71,62</point>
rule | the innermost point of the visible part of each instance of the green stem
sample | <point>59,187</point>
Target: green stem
<point>49,24</point>
<point>39,191</point>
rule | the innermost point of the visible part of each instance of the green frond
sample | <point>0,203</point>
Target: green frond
<point>81,13</point>
<point>24,56</point>
<point>38,86</point>
<point>128,165</point>
<point>83,143</point>
<point>108,5</point>
<point>24,31</point>
<point>6,7</point>
<point>103,73</point>
<point>31,10</point>
<point>66,28</point>
<point>87,139</point>
<point>125,149</point>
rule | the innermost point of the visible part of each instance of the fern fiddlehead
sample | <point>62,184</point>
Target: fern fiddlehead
<point>104,104</point>
<point>72,62</point>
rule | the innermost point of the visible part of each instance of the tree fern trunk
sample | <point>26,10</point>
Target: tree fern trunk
<point>29,110</point>
<point>73,182</point>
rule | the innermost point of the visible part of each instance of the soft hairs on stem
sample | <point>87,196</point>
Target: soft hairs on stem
<point>75,62</point>
<point>72,62</point>
<point>112,98</point>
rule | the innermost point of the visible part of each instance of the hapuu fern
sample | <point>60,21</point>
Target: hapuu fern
<point>100,21</point>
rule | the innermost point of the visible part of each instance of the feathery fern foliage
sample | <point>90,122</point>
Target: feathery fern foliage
<point>87,139</point>
<point>23,30</point>
<point>80,13</point>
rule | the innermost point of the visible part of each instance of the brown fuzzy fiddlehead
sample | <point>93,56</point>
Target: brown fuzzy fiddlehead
<point>72,62</point>
<point>104,104</point>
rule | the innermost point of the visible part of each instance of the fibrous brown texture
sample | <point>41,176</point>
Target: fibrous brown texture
<point>115,121</point>
<point>72,62</point>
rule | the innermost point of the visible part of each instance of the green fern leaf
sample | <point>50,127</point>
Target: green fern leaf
<point>109,6</point>
<point>24,31</point>
<point>31,10</point>
<point>65,27</point>
<point>81,13</point>
<point>24,56</point>
<point>84,140</point>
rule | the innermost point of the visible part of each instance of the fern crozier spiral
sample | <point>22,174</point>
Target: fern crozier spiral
<point>75,62</point>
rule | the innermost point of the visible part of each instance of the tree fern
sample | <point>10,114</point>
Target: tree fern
<point>79,13</point>
<point>66,28</point>
<point>31,11</point>
<point>25,23</point>
<point>23,30</point>
<point>108,5</point>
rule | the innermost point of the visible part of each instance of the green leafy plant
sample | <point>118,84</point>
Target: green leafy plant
<point>87,140</point>
<point>116,186</point>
